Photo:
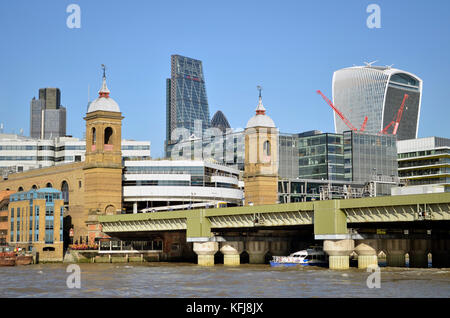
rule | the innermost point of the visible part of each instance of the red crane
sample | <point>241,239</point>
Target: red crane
<point>396,121</point>
<point>345,120</point>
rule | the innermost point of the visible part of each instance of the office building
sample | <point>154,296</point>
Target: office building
<point>161,183</point>
<point>186,100</point>
<point>220,121</point>
<point>36,222</point>
<point>47,116</point>
<point>424,161</point>
<point>18,153</point>
<point>377,92</point>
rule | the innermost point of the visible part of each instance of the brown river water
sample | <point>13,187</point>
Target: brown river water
<point>189,280</point>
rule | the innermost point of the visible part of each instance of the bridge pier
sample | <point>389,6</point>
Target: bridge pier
<point>257,251</point>
<point>279,248</point>
<point>395,252</point>
<point>440,251</point>
<point>418,253</point>
<point>232,252</point>
<point>367,253</point>
<point>205,252</point>
<point>338,252</point>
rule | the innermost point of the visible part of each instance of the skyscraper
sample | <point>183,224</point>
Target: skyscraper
<point>377,92</point>
<point>47,116</point>
<point>220,121</point>
<point>186,100</point>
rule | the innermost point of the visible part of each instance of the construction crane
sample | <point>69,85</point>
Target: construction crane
<point>397,119</point>
<point>338,112</point>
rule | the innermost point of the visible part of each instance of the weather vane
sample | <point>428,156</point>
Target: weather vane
<point>104,70</point>
<point>259,88</point>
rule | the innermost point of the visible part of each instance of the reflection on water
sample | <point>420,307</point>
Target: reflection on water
<point>188,280</point>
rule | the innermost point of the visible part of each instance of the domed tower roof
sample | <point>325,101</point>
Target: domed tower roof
<point>260,119</point>
<point>220,121</point>
<point>103,102</point>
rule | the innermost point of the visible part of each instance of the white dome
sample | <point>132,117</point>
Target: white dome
<point>260,121</point>
<point>103,103</point>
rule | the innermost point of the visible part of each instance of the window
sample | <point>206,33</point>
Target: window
<point>65,192</point>
<point>108,136</point>
<point>49,211</point>
<point>267,148</point>
<point>94,136</point>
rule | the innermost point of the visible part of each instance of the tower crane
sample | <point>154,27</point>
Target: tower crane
<point>338,112</point>
<point>396,120</point>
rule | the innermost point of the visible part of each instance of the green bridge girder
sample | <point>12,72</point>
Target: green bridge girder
<point>329,217</point>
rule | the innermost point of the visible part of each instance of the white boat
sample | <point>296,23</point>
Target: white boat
<point>314,256</point>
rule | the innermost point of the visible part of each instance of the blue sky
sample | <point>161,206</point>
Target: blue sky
<point>291,48</point>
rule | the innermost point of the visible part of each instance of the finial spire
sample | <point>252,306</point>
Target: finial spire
<point>260,110</point>
<point>104,92</point>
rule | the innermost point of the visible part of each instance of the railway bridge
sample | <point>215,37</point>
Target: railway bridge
<point>396,225</point>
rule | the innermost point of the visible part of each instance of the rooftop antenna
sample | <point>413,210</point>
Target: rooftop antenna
<point>370,63</point>
<point>1,128</point>
<point>389,66</point>
<point>21,132</point>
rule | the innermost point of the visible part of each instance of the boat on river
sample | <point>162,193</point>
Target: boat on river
<point>7,259</point>
<point>314,256</point>
<point>13,259</point>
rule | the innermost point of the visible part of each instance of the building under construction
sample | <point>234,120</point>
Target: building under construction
<point>376,93</point>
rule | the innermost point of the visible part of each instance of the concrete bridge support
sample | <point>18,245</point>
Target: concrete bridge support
<point>395,252</point>
<point>205,252</point>
<point>440,251</point>
<point>338,252</point>
<point>232,252</point>
<point>418,253</point>
<point>279,248</point>
<point>257,251</point>
<point>367,253</point>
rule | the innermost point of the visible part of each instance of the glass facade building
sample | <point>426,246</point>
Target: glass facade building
<point>186,100</point>
<point>351,156</point>
<point>370,157</point>
<point>377,92</point>
<point>424,161</point>
<point>47,116</point>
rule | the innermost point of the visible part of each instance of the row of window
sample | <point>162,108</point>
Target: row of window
<point>423,153</point>
<point>49,226</point>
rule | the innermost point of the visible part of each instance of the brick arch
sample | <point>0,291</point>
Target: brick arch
<point>110,209</point>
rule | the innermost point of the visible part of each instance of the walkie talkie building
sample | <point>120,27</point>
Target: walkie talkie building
<point>377,92</point>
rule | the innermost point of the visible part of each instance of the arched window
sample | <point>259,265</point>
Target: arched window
<point>20,189</point>
<point>108,136</point>
<point>49,185</point>
<point>65,192</point>
<point>267,148</point>
<point>94,136</point>
<point>34,187</point>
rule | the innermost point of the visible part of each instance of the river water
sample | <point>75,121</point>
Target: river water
<point>189,280</point>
